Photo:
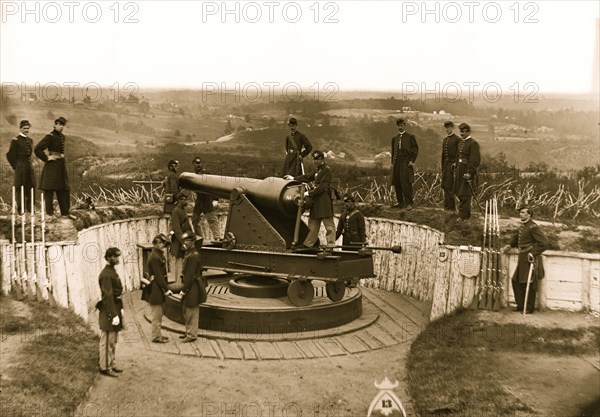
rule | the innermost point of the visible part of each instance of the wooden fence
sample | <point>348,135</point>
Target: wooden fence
<point>67,272</point>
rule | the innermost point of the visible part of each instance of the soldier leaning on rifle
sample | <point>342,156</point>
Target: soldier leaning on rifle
<point>449,154</point>
<point>19,158</point>
<point>531,242</point>
<point>351,225</point>
<point>465,173</point>
<point>157,269</point>
<point>110,317</point>
<point>297,146</point>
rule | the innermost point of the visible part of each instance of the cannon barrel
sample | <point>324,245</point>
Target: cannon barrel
<point>272,193</point>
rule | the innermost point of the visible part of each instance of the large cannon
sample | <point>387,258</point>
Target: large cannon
<point>262,233</point>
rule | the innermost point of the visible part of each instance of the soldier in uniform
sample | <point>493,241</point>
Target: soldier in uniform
<point>194,286</point>
<point>465,173</point>
<point>531,242</point>
<point>180,224</point>
<point>171,186</point>
<point>322,207</point>
<point>297,146</point>
<point>157,268</point>
<point>404,154</point>
<point>351,225</point>
<point>110,317</point>
<point>55,178</point>
<point>449,154</point>
<point>204,205</point>
<point>19,158</point>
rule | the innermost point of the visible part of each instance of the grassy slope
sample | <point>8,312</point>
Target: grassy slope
<point>56,360</point>
<point>454,364</point>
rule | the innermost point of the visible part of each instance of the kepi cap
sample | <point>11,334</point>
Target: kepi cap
<point>112,252</point>
<point>61,120</point>
<point>293,121</point>
<point>318,155</point>
<point>161,236</point>
<point>464,126</point>
<point>24,123</point>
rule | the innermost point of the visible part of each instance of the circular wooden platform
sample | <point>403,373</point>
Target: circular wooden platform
<point>245,317</point>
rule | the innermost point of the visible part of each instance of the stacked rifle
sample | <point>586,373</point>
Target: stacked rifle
<point>23,262</point>
<point>488,287</point>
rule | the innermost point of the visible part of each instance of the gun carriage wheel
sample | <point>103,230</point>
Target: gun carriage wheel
<point>335,290</point>
<point>301,292</point>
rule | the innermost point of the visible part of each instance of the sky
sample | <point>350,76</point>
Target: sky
<point>315,46</point>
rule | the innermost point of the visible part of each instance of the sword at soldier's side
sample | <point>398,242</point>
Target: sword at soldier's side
<point>531,260</point>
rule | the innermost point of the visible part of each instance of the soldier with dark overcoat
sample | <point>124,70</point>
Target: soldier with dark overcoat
<point>322,205</point>
<point>465,173</point>
<point>19,158</point>
<point>404,154</point>
<point>180,224</point>
<point>194,286</point>
<point>297,146</point>
<point>171,184</point>
<point>55,178</point>
<point>204,205</point>
<point>449,156</point>
<point>531,242</point>
<point>351,224</point>
<point>110,317</point>
<point>157,269</point>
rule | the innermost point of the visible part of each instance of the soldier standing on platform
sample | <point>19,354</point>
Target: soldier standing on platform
<point>322,207</point>
<point>171,187</point>
<point>531,242</point>
<point>157,268</point>
<point>19,158</point>
<point>297,146</point>
<point>449,155</point>
<point>194,286</point>
<point>110,317</point>
<point>204,205</point>
<point>180,224</point>
<point>465,173</point>
<point>55,178</point>
<point>404,154</point>
<point>351,225</point>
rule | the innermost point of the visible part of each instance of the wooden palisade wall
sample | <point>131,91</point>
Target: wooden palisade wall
<point>68,273</point>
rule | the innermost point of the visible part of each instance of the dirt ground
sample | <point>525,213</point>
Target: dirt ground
<point>162,384</point>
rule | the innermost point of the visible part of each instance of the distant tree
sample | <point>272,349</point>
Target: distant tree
<point>241,128</point>
<point>272,122</point>
<point>247,118</point>
<point>228,128</point>
<point>589,173</point>
<point>50,115</point>
<point>540,166</point>
<point>177,132</point>
<point>495,163</point>
<point>11,119</point>
<point>144,106</point>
